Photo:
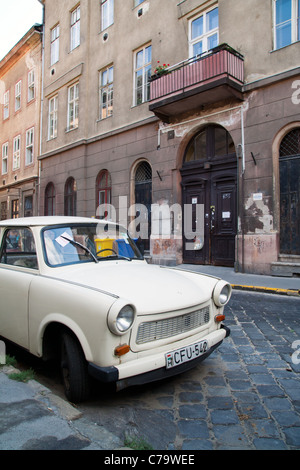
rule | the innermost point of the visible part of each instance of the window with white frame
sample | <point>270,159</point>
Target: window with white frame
<point>31,85</point>
<point>4,158</point>
<point>6,105</point>
<point>142,74</point>
<point>75,28</point>
<point>18,96</point>
<point>286,14</point>
<point>73,106</point>
<point>204,32</point>
<point>16,152</point>
<point>106,92</point>
<point>54,45</point>
<point>52,123</point>
<point>29,146</point>
<point>107,13</point>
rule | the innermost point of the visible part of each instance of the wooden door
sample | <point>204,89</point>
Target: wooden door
<point>290,205</point>
<point>223,221</point>
<point>217,195</point>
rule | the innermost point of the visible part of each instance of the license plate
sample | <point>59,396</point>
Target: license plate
<point>188,353</point>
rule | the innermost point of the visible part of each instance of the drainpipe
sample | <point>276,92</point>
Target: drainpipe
<point>41,111</point>
<point>240,190</point>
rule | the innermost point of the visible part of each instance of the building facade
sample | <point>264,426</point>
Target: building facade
<point>181,120</point>
<point>20,108</point>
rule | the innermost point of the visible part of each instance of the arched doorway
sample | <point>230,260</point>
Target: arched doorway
<point>209,180</point>
<point>143,196</point>
<point>49,199</point>
<point>289,169</point>
<point>70,197</point>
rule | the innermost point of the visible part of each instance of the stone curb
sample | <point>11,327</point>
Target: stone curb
<point>267,290</point>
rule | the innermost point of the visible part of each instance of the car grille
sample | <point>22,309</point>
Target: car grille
<point>165,328</point>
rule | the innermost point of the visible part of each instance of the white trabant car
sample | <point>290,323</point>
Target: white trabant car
<point>79,289</point>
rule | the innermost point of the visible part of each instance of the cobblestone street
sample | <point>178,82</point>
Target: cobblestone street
<point>244,396</point>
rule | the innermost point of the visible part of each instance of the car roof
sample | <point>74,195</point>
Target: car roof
<point>49,220</point>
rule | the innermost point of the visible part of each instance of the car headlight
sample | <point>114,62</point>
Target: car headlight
<point>125,318</point>
<point>222,293</point>
<point>121,319</point>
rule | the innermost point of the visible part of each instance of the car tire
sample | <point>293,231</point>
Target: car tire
<point>76,381</point>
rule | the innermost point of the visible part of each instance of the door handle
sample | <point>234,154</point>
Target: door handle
<point>212,217</point>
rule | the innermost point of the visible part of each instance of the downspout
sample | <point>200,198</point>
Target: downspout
<point>41,111</point>
<point>240,191</point>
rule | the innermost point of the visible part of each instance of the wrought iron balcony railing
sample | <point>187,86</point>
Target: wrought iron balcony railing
<point>221,67</point>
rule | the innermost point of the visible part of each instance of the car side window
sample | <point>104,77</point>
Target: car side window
<point>18,248</point>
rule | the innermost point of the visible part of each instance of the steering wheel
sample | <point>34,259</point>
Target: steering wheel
<point>106,249</point>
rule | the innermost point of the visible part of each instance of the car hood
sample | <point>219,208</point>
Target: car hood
<point>149,288</point>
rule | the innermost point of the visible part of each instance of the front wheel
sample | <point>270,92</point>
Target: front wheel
<point>76,381</point>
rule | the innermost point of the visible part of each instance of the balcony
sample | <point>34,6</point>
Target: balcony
<point>197,82</point>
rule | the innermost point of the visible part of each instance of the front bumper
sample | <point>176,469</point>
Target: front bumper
<point>124,377</point>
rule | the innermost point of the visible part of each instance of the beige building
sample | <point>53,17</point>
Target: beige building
<point>20,110</point>
<point>209,145</point>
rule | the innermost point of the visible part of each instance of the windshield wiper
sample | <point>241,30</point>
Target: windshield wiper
<point>114,255</point>
<point>85,248</point>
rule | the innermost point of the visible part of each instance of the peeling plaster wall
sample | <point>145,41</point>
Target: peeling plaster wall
<point>258,215</point>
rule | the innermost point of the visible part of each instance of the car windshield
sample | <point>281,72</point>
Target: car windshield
<point>79,243</point>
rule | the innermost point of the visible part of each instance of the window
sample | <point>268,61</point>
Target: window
<point>31,85</point>
<point>6,105</point>
<point>16,152</point>
<point>290,144</point>
<point>70,197</point>
<point>28,206</point>
<point>52,125</point>
<point>138,2</point>
<point>286,22</point>
<point>142,73</point>
<point>3,213</point>
<point>4,158</point>
<point>107,13</point>
<point>103,186</point>
<point>19,248</point>
<point>75,28</point>
<point>15,208</point>
<point>73,106</point>
<point>54,46</point>
<point>211,143</point>
<point>18,96</point>
<point>49,199</point>
<point>106,90</point>
<point>29,146</point>
<point>143,200</point>
<point>204,32</point>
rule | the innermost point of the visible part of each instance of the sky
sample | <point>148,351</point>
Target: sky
<point>16,18</point>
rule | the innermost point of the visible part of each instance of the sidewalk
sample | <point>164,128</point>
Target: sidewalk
<point>33,418</point>
<point>250,282</point>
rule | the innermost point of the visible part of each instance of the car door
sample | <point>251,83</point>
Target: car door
<point>18,266</point>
